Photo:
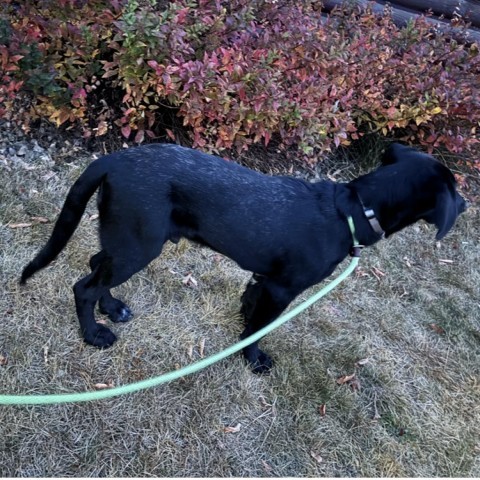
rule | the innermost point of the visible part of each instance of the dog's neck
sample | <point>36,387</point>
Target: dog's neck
<point>371,217</point>
<point>367,223</point>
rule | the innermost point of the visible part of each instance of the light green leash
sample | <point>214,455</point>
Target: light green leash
<point>194,367</point>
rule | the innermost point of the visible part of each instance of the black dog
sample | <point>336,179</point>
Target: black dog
<point>290,233</point>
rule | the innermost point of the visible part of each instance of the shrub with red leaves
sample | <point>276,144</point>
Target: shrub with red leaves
<point>237,72</point>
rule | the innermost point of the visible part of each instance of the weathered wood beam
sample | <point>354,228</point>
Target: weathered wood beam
<point>402,15</point>
<point>468,9</point>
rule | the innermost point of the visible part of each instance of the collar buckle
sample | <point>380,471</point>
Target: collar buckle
<point>372,219</point>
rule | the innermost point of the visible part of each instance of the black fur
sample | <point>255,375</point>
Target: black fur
<point>290,233</point>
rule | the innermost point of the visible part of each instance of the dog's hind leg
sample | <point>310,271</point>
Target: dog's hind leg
<point>262,302</point>
<point>116,310</point>
<point>110,270</point>
<point>87,293</point>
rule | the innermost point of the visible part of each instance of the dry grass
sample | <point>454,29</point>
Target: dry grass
<point>417,412</point>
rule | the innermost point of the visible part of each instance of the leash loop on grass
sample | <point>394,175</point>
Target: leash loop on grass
<point>189,369</point>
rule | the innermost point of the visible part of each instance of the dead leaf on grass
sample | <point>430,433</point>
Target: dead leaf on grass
<point>437,328</point>
<point>189,281</point>
<point>201,347</point>
<point>3,359</point>
<point>355,385</point>
<point>234,429</point>
<point>40,219</point>
<point>19,225</point>
<point>377,273</point>
<point>101,321</point>
<point>94,216</point>
<point>345,379</point>
<point>34,221</point>
<point>190,351</point>
<point>360,272</point>
<point>268,468</point>
<point>316,457</point>
<point>322,410</point>
<point>103,386</point>
<point>351,381</point>
<point>362,362</point>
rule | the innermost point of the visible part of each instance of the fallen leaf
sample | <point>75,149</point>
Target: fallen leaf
<point>201,347</point>
<point>3,359</point>
<point>39,219</point>
<point>94,216</point>
<point>101,321</point>
<point>345,379</point>
<point>20,225</point>
<point>268,468</point>
<point>437,328</point>
<point>360,272</point>
<point>322,410</point>
<point>377,273</point>
<point>103,386</point>
<point>316,457</point>
<point>355,385</point>
<point>362,362</point>
<point>189,281</point>
<point>235,429</point>
<point>190,351</point>
<point>407,262</point>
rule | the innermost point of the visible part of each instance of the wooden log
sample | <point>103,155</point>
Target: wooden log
<point>402,15</point>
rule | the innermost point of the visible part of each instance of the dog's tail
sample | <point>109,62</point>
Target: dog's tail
<point>69,217</point>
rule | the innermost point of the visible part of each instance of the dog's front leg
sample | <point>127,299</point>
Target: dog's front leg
<point>262,302</point>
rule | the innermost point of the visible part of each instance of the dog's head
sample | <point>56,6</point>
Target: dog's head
<point>412,186</point>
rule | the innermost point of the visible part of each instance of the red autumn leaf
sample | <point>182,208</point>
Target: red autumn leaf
<point>126,130</point>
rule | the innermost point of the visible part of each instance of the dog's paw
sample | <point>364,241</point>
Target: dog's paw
<point>101,337</point>
<point>262,365</point>
<point>116,311</point>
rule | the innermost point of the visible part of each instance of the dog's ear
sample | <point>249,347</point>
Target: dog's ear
<point>445,212</point>
<point>396,152</point>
